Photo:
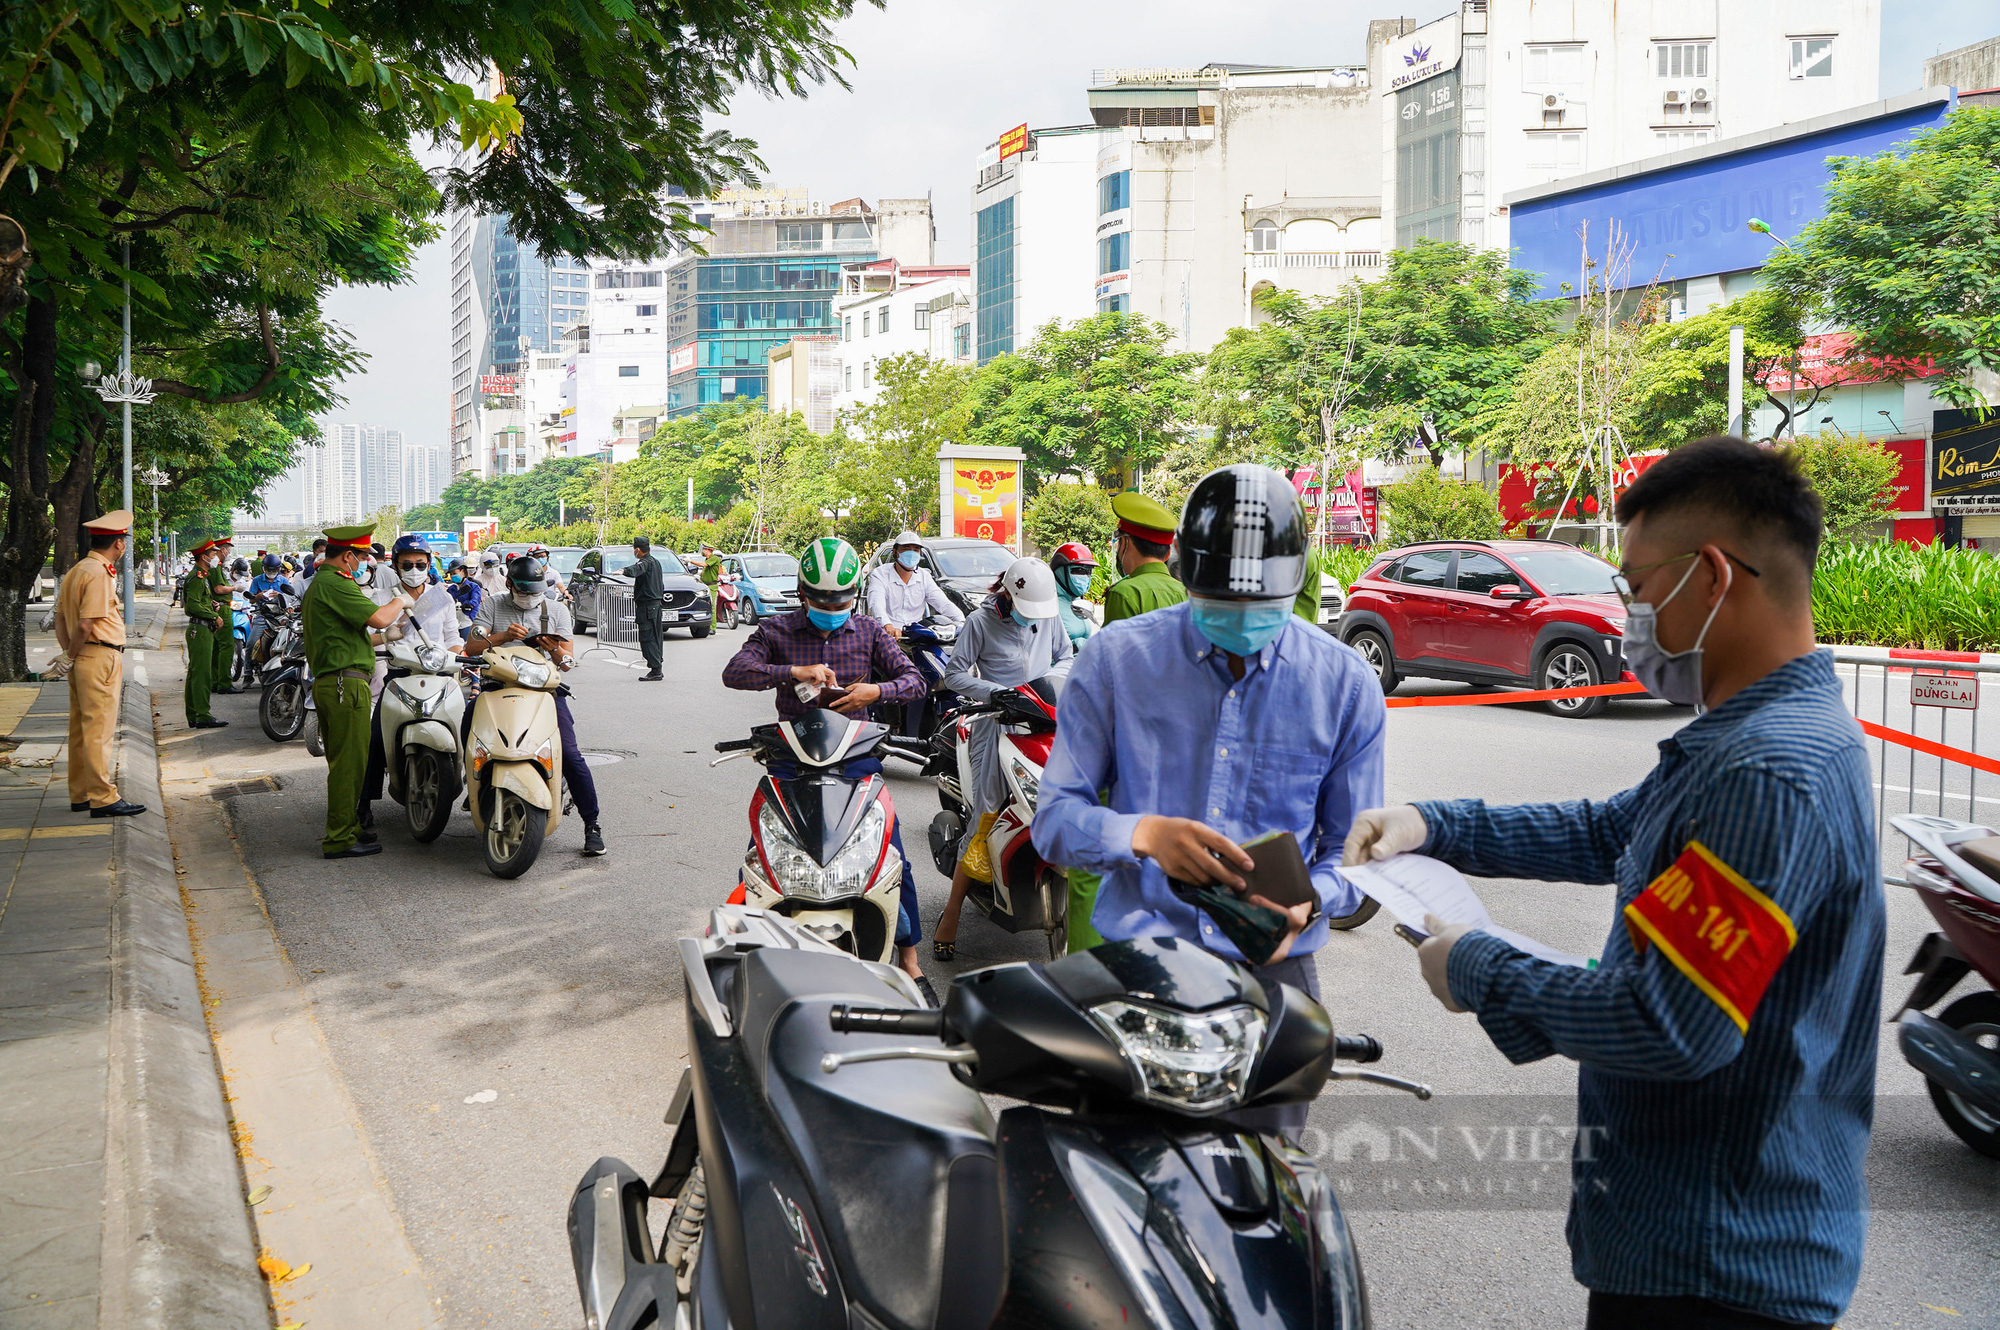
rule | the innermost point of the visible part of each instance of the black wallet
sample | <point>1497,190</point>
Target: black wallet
<point>1280,877</point>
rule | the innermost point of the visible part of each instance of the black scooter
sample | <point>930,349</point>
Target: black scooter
<point>286,696</point>
<point>833,1163</point>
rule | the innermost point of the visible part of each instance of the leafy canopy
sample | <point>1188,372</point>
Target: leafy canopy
<point>1907,255</point>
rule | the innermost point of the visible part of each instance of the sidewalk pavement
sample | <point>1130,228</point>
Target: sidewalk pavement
<point>121,1200</point>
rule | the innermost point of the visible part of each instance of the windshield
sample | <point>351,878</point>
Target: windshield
<point>973,560</point>
<point>564,561</point>
<point>617,561</point>
<point>1564,572</point>
<point>770,565</point>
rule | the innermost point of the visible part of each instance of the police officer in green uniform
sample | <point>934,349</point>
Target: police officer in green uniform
<point>204,624</point>
<point>337,616</point>
<point>1145,538</point>
<point>222,673</point>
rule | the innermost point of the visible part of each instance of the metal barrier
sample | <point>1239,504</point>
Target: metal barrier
<point>616,620</point>
<point>1959,778</point>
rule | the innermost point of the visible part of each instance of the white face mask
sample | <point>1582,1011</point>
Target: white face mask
<point>1673,675</point>
<point>414,577</point>
<point>526,600</point>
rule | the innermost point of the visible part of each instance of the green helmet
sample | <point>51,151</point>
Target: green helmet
<point>830,567</point>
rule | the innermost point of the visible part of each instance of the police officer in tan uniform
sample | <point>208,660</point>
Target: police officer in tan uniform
<point>90,628</point>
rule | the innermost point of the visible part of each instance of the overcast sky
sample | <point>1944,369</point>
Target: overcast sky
<point>935,81</point>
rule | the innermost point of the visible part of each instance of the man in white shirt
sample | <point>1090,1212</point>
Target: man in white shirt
<point>901,593</point>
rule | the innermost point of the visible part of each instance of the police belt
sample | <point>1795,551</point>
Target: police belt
<point>344,674</point>
<point>108,646</point>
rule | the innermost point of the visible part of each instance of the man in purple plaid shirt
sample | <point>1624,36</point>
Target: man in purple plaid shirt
<point>824,642</point>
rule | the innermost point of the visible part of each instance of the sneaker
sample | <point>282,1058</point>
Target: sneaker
<point>593,840</point>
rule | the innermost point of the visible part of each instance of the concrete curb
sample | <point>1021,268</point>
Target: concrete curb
<point>178,1249</point>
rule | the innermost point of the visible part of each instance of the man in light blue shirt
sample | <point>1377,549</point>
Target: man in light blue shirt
<point>1211,723</point>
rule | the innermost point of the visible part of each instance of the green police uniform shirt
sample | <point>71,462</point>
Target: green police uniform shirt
<point>1152,587</point>
<point>336,614</point>
<point>198,598</point>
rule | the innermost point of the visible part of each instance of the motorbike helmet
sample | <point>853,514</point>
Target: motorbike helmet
<point>1072,555</point>
<point>1031,587</point>
<point>829,571</point>
<point>240,566</point>
<point>526,574</point>
<point>272,563</point>
<point>1243,535</point>
<point>412,543</point>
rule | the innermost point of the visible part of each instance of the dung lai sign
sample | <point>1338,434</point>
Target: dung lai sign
<point>1965,463</point>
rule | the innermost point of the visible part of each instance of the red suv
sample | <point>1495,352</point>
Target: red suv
<point>1537,613</point>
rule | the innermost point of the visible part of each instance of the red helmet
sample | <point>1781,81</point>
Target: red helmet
<point>1073,554</point>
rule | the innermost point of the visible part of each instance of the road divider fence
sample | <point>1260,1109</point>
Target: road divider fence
<point>1940,693</point>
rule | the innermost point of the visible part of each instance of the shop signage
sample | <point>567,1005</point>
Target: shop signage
<point>681,360</point>
<point>1826,360</point>
<point>1965,463</point>
<point>1429,51</point>
<point>499,385</point>
<point>1014,141</point>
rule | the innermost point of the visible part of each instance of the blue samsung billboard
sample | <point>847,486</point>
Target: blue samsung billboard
<point>1689,220</point>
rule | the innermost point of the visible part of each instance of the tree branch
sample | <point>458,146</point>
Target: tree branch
<point>273,363</point>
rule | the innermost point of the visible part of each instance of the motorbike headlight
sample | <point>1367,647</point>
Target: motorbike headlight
<point>797,873</point>
<point>1191,1061</point>
<point>435,660</point>
<point>531,673</point>
<point>1031,786</point>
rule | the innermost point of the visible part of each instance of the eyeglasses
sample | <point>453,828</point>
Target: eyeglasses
<point>1624,588</point>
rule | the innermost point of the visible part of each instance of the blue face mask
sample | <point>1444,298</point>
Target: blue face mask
<point>1022,619</point>
<point>1079,583</point>
<point>1240,627</point>
<point>827,620</point>
<point>908,558</point>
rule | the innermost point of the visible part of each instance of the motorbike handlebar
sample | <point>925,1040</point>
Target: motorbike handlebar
<point>735,745</point>
<point>1357,1048</point>
<point>851,1017</point>
<point>908,752</point>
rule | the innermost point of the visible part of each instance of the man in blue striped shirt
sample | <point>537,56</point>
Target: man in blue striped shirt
<point>1727,1042</point>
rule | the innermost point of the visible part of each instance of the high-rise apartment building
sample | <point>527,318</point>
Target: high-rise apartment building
<point>1501,95</point>
<point>1034,219</point>
<point>360,469</point>
<point>508,300</point>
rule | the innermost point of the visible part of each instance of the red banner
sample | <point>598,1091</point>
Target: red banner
<point>1827,359</point>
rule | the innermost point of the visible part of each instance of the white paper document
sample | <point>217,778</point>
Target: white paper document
<point>1410,886</point>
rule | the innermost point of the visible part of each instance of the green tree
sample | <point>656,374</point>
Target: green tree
<point>257,154</point>
<point>889,460</point>
<point>1097,395</point>
<point>1681,390</point>
<point>1427,506</point>
<point>1854,478</point>
<point>534,498</point>
<point>1066,511</point>
<point>1907,255</point>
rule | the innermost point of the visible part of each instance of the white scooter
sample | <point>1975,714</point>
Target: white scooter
<point>513,757</point>
<point>421,712</point>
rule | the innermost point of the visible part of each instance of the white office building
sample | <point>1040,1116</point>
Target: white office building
<point>1502,95</point>
<point>1034,215</point>
<point>884,309</point>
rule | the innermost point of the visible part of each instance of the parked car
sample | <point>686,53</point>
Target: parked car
<point>1530,613</point>
<point>768,581</point>
<point>563,559</point>
<point>687,601</point>
<point>965,566</point>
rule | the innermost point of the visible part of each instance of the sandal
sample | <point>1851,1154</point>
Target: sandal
<point>944,951</point>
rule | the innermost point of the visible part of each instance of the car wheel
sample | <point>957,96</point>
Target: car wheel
<point>749,615</point>
<point>1374,649</point>
<point>1568,665</point>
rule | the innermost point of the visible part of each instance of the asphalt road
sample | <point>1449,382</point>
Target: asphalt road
<point>560,993</point>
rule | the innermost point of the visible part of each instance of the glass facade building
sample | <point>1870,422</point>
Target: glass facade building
<point>531,301</point>
<point>734,310</point>
<point>993,281</point>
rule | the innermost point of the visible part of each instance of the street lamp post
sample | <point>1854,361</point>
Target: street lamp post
<point>126,390</point>
<point>155,478</point>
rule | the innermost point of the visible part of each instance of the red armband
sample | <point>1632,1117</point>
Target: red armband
<point>1726,936</point>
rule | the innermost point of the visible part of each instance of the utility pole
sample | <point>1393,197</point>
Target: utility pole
<point>126,390</point>
<point>1735,380</point>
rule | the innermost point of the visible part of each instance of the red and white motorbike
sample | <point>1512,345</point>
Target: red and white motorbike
<point>1026,893</point>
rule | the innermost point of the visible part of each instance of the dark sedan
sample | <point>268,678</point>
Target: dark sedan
<point>610,566</point>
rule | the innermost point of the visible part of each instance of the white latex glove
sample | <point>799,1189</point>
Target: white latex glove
<point>1382,832</point>
<point>1434,955</point>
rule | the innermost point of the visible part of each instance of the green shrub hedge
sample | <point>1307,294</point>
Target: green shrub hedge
<point>1888,594</point>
